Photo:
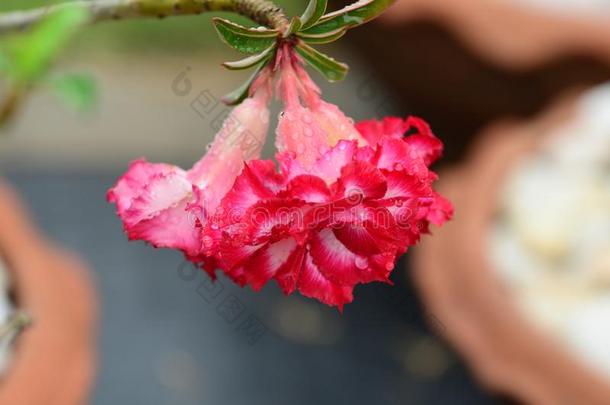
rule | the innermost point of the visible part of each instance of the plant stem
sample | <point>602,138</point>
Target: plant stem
<point>262,12</point>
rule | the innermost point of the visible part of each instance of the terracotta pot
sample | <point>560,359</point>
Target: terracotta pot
<point>54,359</point>
<point>506,352</point>
<point>514,33</point>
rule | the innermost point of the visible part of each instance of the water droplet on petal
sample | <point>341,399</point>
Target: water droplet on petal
<point>207,241</point>
<point>264,117</point>
<point>362,262</point>
<point>398,167</point>
<point>308,132</point>
<point>389,266</point>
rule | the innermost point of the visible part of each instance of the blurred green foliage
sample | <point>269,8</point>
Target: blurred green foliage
<point>28,55</point>
<point>77,90</point>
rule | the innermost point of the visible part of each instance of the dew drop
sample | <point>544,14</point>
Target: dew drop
<point>308,132</point>
<point>389,266</point>
<point>398,167</point>
<point>207,241</point>
<point>264,117</point>
<point>362,262</point>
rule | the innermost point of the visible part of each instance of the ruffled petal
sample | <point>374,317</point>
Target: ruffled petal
<point>374,131</point>
<point>312,283</point>
<point>440,211</point>
<point>171,228</point>
<point>147,189</point>
<point>362,180</point>
<point>308,188</point>
<point>422,142</point>
<point>265,263</point>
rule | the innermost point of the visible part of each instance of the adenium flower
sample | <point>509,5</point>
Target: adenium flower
<point>166,206</point>
<point>346,201</point>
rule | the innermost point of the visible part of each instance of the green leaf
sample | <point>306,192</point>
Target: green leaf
<point>240,94</point>
<point>242,39</point>
<point>29,54</point>
<point>315,9</point>
<point>78,91</point>
<point>351,16</point>
<point>295,26</point>
<point>324,38</point>
<point>251,60</point>
<point>331,69</point>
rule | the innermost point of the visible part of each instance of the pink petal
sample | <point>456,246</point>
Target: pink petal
<point>266,262</point>
<point>374,131</point>
<point>339,264</point>
<point>147,189</point>
<point>240,139</point>
<point>312,283</point>
<point>362,179</point>
<point>250,187</point>
<point>335,124</point>
<point>308,188</point>
<point>329,166</point>
<point>441,210</point>
<point>299,132</point>
<point>171,228</point>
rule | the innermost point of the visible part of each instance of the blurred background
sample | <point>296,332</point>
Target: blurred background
<point>167,336</point>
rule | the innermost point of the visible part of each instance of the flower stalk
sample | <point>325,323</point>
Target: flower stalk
<point>262,12</point>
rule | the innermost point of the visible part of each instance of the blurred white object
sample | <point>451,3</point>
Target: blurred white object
<point>6,310</point>
<point>584,6</point>
<point>551,242</point>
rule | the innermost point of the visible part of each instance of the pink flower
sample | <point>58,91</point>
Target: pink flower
<point>345,204</point>
<point>346,201</point>
<point>167,206</point>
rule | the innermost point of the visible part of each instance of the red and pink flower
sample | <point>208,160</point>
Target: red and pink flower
<point>345,203</point>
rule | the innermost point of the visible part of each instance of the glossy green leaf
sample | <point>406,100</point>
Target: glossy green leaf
<point>29,54</point>
<point>240,94</point>
<point>78,91</point>
<point>324,38</point>
<point>315,9</point>
<point>250,61</point>
<point>242,39</point>
<point>331,69</point>
<point>351,16</point>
